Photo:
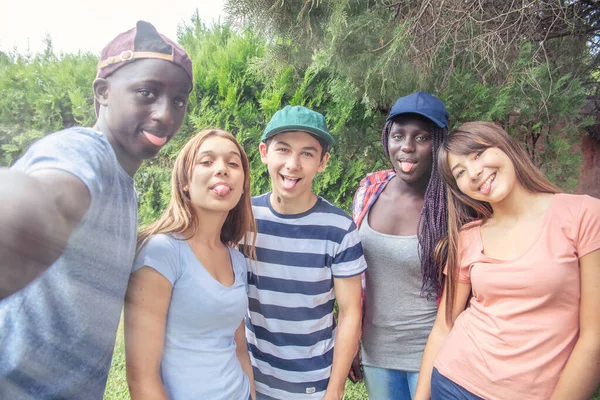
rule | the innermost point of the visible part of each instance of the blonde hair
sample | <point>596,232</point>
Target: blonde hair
<point>180,216</point>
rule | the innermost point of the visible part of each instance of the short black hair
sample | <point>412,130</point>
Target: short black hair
<point>414,116</point>
<point>148,39</point>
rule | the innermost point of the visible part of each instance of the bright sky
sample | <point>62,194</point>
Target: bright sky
<point>89,25</point>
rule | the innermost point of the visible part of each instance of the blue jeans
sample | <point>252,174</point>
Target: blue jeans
<point>443,388</point>
<point>390,384</point>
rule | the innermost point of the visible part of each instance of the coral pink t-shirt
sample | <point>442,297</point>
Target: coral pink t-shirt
<point>523,320</point>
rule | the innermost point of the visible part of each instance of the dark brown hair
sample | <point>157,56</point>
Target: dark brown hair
<point>464,140</point>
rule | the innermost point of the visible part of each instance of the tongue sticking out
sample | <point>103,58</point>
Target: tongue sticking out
<point>155,140</point>
<point>485,189</point>
<point>407,166</point>
<point>289,184</point>
<point>221,190</point>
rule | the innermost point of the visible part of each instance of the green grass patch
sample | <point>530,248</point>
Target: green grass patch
<point>116,387</point>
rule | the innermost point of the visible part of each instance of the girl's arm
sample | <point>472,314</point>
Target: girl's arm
<point>437,337</point>
<point>241,350</point>
<point>146,306</point>
<point>581,375</point>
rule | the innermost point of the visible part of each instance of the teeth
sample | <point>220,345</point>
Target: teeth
<point>488,180</point>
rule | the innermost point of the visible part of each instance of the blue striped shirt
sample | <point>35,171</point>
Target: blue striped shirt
<point>291,329</point>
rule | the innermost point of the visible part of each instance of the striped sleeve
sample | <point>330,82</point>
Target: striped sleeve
<point>349,261</point>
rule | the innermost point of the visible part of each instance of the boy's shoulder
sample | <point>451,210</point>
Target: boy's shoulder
<point>78,132</point>
<point>80,139</point>
<point>321,206</point>
<point>323,214</point>
<point>261,200</point>
<point>83,152</point>
<point>324,206</point>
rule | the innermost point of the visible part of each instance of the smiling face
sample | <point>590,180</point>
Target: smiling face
<point>142,106</point>
<point>409,145</point>
<point>217,180</point>
<point>486,175</point>
<point>293,159</point>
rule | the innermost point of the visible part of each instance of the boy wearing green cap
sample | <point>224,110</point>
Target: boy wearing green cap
<point>308,255</point>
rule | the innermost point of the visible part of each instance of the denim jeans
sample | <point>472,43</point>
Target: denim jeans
<point>443,388</point>
<point>390,384</point>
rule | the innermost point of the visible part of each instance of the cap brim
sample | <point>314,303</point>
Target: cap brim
<point>321,134</point>
<point>438,123</point>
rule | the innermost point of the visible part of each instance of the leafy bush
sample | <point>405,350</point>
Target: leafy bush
<point>239,85</point>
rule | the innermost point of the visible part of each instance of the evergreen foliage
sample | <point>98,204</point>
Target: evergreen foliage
<point>242,76</point>
<point>518,64</point>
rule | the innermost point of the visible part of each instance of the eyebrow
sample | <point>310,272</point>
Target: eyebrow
<point>283,143</point>
<point>420,131</point>
<point>313,148</point>
<point>456,166</point>
<point>152,81</point>
<point>157,82</point>
<point>210,152</point>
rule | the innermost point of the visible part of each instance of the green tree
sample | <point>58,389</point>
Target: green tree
<point>42,93</point>
<point>521,65</point>
<point>350,62</point>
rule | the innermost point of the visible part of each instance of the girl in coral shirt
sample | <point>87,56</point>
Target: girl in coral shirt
<point>530,257</point>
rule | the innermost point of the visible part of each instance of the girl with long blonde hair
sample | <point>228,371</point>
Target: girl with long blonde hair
<point>530,258</point>
<point>186,301</point>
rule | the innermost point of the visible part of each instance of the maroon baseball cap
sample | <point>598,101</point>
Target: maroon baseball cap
<point>141,42</point>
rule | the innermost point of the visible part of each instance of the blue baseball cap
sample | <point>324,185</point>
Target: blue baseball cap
<point>424,104</point>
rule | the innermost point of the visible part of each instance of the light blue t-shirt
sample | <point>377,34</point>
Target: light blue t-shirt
<point>57,334</point>
<point>199,359</point>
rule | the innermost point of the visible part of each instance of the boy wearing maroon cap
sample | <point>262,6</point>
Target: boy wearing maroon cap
<point>69,221</point>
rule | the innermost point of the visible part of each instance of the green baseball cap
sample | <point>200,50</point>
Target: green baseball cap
<point>298,118</point>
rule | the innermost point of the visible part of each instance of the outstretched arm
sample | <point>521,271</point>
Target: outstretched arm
<point>347,294</point>
<point>37,216</point>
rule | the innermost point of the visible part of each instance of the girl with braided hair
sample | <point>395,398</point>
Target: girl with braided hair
<point>401,215</point>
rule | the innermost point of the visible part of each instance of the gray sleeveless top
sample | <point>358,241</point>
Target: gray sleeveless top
<point>397,319</point>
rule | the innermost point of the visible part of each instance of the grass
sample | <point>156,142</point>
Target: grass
<point>116,388</point>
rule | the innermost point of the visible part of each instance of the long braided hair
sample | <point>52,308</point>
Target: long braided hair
<point>433,222</point>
